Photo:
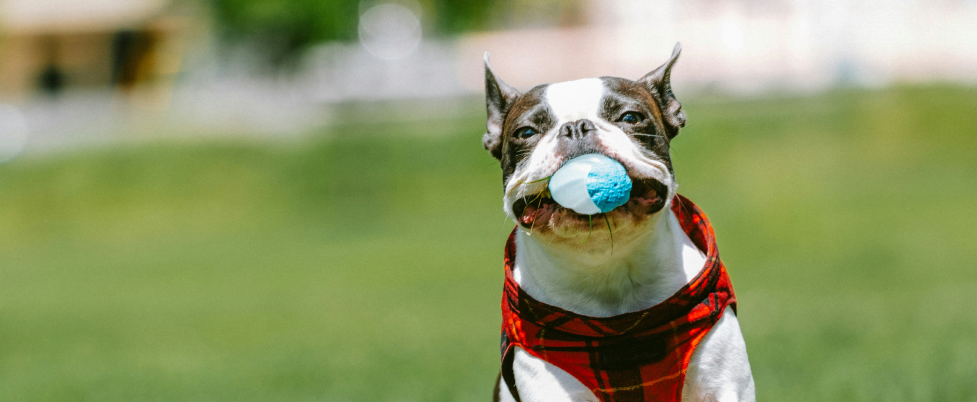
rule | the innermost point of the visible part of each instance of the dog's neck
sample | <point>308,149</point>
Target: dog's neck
<point>646,273</point>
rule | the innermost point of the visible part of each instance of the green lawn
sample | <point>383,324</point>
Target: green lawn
<point>365,265</point>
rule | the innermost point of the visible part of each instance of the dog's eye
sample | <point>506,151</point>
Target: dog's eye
<point>631,118</point>
<point>525,132</point>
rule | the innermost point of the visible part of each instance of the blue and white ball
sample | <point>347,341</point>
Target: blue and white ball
<point>591,184</point>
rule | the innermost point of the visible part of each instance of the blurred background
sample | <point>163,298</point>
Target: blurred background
<point>287,200</point>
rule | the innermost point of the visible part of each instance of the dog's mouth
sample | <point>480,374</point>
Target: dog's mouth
<point>648,196</point>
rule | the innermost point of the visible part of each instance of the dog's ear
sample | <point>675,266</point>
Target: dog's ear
<point>658,82</point>
<point>498,98</point>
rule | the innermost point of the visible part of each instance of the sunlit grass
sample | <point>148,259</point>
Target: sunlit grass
<point>366,265</point>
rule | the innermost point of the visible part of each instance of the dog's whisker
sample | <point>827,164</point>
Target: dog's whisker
<point>504,220</point>
<point>536,212</point>
<point>646,135</point>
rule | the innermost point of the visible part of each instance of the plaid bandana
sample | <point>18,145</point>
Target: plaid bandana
<point>638,356</point>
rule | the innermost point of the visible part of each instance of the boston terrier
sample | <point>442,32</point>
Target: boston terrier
<point>629,305</point>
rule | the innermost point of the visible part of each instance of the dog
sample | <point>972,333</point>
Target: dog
<point>631,305</point>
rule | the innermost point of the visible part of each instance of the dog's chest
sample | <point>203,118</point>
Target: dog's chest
<point>658,268</point>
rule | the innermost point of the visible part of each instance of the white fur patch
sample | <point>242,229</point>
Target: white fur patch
<point>719,369</point>
<point>575,100</point>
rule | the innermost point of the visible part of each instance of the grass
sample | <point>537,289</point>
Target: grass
<point>366,265</point>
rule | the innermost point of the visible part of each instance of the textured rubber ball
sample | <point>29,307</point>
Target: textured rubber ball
<point>591,184</point>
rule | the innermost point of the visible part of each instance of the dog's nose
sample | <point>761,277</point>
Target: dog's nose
<point>577,129</point>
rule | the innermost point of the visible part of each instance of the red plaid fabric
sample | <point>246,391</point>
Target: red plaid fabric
<point>639,356</point>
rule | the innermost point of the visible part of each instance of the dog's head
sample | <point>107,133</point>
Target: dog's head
<point>533,134</point>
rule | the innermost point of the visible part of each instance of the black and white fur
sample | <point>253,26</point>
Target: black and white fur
<point>567,260</point>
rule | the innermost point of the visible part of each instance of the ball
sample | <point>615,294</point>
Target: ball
<point>591,184</point>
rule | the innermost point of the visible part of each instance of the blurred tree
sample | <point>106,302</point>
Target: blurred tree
<point>283,27</point>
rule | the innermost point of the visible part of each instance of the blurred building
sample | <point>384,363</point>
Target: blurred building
<point>48,46</point>
<point>744,46</point>
<point>732,46</point>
